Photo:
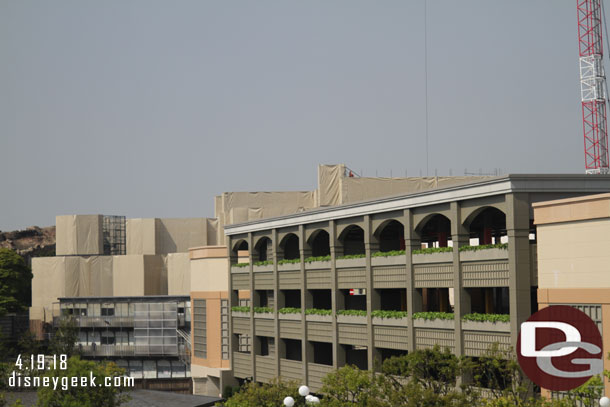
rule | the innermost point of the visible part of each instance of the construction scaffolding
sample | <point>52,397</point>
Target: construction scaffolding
<point>113,230</point>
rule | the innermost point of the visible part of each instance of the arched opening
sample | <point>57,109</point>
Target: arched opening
<point>436,232</point>
<point>488,227</point>
<point>240,252</point>
<point>392,237</point>
<point>262,250</point>
<point>289,247</point>
<point>352,239</point>
<point>320,243</point>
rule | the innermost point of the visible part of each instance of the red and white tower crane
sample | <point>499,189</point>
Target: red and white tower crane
<point>593,86</point>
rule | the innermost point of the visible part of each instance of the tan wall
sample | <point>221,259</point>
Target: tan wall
<point>128,275</point>
<point>574,254</point>
<point>68,276</point>
<point>213,331</point>
<point>209,274</point>
<point>79,235</point>
<point>178,235</point>
<point>140,236</point>
<point>594,296</point>
<point>178,274</point>
<point>572,209</point>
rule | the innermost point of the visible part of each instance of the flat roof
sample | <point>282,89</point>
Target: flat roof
<point>512,183</point>
<point>130,298</point>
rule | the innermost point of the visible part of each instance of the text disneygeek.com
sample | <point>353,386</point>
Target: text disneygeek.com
<point>65,383</point>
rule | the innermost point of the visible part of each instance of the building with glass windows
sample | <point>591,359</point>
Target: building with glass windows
<point>146,335</point>
<point>318,280</point>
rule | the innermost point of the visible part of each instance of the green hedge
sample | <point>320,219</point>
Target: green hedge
<point>289,310</point>
<point>317,311</point>
<point>389,254</point>
<point>241,265</point>
<point>432,315</point>
<point>352,256</point>
<point>240,309</point>
<point>352,312</point>
<point>263,310</point>
<point>289,261</point>
<point>389,314</point>
<point>317,258</point>
<point>433,250</point>
<point>263,263</point>
<point>486,317</point>
<point>484,247</point>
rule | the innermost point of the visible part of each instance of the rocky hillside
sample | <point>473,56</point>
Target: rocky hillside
<point>31,242</point>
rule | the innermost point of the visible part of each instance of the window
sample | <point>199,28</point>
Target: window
<point>224,329</point>
<point>200,328</point>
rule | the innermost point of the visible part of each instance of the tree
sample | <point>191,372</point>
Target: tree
<point>349,386</point>
<point>431,368</point>
<point>265,394</point>
<point>15,282</point>
<point>88,396</point>
<point>63,341</point>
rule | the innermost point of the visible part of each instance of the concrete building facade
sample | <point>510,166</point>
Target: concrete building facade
<point>319,259</point>
<point>574,259</point>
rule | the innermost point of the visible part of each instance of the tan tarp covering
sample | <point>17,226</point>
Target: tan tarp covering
<point>362,189</point>
<point>212,237</point>
<point>79,235</point>
<point>128,275</point>
<point>137,275</point>
<point>47,285</point>
<point>329,184</point>
<point>178,235</point>
<point>240,207</point>
<point>71,276</point>
<point>178,274</point>
<point>140,236</point>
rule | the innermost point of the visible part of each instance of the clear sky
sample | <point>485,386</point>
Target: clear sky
<point>150,108</point>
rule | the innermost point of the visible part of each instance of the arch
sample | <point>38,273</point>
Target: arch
<point>390,235</point>
<point>262,249</point>
<point>319,242</point>
<point>352,240</point>
<point>239,245</point>
<point>289,247</point>
<point>434,230</point>
<point>487,224</point>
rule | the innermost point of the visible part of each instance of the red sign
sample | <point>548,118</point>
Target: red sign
<point>559,348</point>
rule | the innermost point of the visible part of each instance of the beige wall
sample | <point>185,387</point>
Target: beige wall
<point>68,276</point>
<point>214,349</point>
<point>164,236</point>
<point>594,296</point>
<point>574,254</point>
<point>178,274</point>
<point>136,275</point>
<point>210,273</point>
<point>140,236</point>
<point>574,257</point>
<point>79,235</point>
<point>209,281</point>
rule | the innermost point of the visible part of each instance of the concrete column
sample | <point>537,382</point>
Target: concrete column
<point>253,302</point>
<point>334,297</point>
<point>414,300</point>
<point>279,302</point>
<point>373,301</point>
<point>233,301</point>
<point>461,299</point>
<point>519,284</point>
<point>306,352</point>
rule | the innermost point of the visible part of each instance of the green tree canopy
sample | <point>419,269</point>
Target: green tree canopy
<point>90,396</point>
<point>15,282</point>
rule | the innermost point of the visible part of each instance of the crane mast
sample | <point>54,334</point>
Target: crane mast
<point>592,86</point>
